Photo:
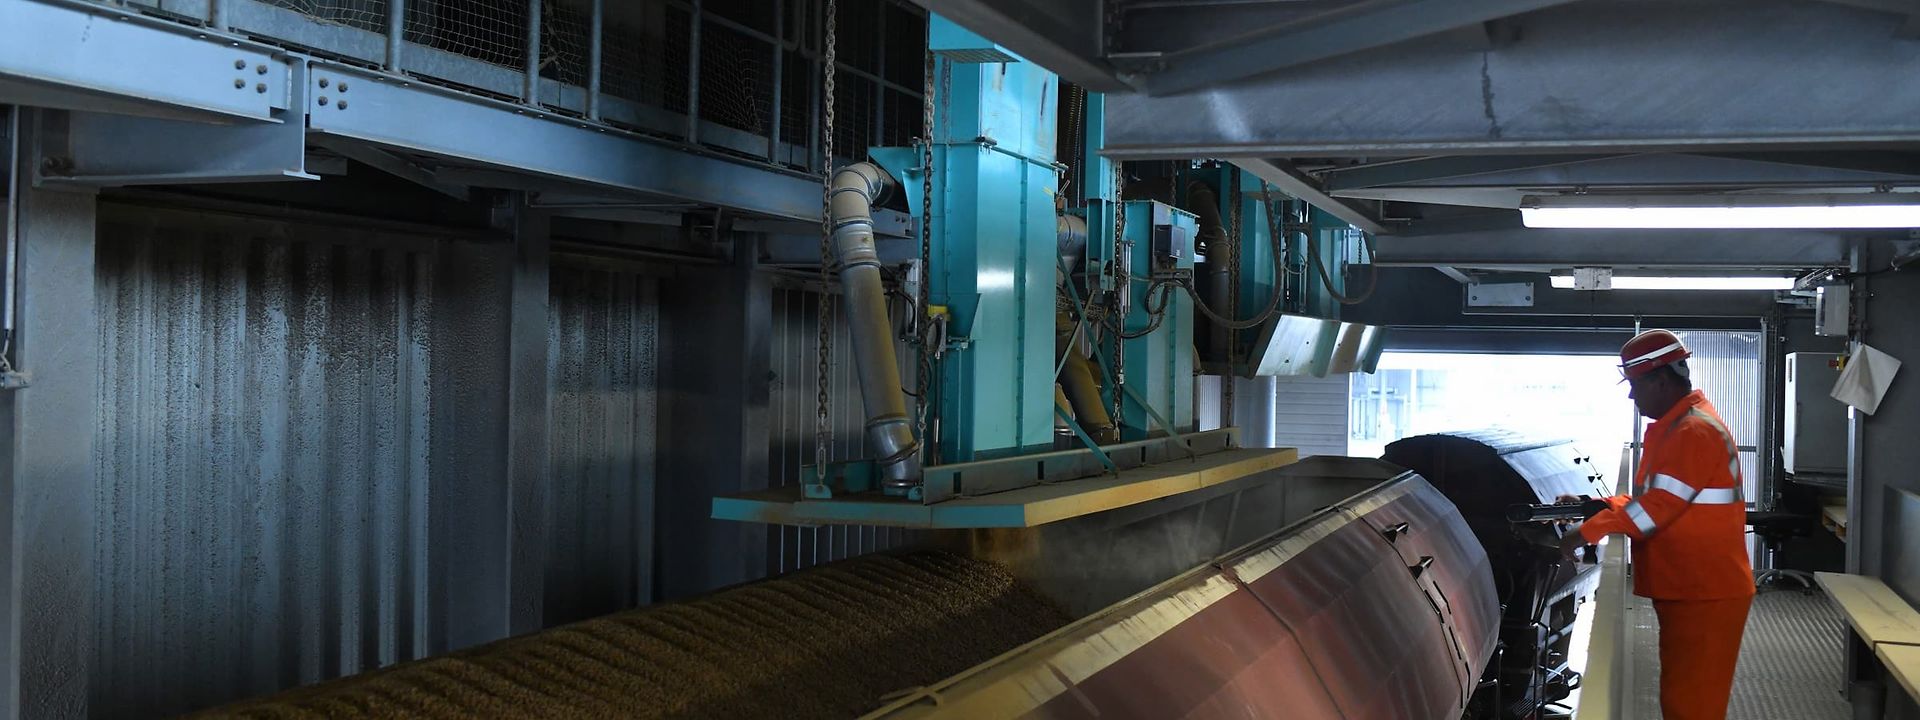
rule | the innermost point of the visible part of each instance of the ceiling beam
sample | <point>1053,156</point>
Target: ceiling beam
<point>1367,25</point>
<point>1538,248</point>
<point>396,166</point>
<point>1451,181</point>
<point>1417,298</point>
<point>1293,182</point>
<point>1063,36</point>
<point>1582,78</point>
<point>1428,169</point>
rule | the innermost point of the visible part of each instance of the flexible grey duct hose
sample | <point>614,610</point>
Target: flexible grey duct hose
<point>889,428</point>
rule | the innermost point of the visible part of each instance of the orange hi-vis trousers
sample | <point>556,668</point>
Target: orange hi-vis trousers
<point>1699,644</point>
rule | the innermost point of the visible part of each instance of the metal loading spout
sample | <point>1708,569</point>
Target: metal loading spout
<point>855,189</point>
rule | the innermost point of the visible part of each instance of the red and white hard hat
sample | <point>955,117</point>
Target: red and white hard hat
<point>1650,351</point>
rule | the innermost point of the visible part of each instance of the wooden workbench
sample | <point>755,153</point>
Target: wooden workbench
<point>1881,618</point>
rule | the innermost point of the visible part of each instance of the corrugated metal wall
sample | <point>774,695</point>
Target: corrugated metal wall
<point>603,365</point>
<point>791,412</point>
<point>1726,365</point>
<point>263,463</point>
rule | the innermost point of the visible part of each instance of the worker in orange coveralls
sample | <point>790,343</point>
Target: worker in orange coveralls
<point>1688,524</point>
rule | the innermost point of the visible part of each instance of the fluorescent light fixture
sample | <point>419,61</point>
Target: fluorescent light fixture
<point>1862,210</point>
<point>1627,282</point>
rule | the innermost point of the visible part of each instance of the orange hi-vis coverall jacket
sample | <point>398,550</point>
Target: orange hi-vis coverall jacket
<point>1688,523</point>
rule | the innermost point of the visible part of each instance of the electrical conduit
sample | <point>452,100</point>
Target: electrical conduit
<point>855,189</point>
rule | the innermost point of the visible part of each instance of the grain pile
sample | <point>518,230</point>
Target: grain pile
<point>825,643</point>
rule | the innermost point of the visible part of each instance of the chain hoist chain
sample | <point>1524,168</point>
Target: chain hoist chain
<point>822,419</point>
<point>1077,138</point>
<point>1232,250</point>
<point>1117,269</point>
<point>924,318</point>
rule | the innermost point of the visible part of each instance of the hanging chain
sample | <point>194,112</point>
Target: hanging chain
<point>1117,268</point>
<point>923,318</point>
<point>1077,139</point>
<point>1232,251</point>
<point>822,419</point>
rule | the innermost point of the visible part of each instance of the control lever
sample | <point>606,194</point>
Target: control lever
<point>1554,512</point>
<point>1581,509</point>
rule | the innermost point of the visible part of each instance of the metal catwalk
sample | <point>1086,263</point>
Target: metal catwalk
<point>1791,661</point>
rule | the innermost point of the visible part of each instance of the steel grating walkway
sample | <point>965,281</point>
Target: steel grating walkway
<point>1791,661</point>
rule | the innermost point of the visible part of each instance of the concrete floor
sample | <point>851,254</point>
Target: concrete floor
<point>1791,662</point>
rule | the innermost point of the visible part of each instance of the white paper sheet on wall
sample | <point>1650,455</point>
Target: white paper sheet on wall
<point>1866,378</point>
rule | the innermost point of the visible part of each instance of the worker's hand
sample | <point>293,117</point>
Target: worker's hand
<point>1567,525</point>
<point>1571,543</point>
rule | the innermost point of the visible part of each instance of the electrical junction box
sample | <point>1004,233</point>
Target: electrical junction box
<point>1832,309</point>
<point>1172,241</point>
<point>1815,440</point>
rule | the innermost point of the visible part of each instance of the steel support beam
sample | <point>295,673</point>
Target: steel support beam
<point>1524,248</point>
<point>804,250</point>
<point>1416,297</point>
<point>89,56</point>
<point>527,386</point>
<point>1063,36</point>
<point>1359,27</point>
<point>47,479</point>
<point>1750,305</point>
<point>714,396</point>
<point>397,166</point>
<point>1583,77</point>
<point>107,150</point>
<point>106,60</point>
<point>1293,182</point>
<point>386,111</point>
<point>1432,169</point>
<point>1481,182</point>
<point>490,450</point>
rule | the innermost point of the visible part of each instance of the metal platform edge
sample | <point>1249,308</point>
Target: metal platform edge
<point>1025,507</point>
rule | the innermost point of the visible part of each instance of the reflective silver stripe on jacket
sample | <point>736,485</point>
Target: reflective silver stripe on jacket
<point>1641,519</point>
<point>1733,450</point>
<point>1709,496</point>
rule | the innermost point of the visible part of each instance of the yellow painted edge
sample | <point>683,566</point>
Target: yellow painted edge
<point>1873,609</point>
<point>1903,661</point>
<point>1041,512</point>
<point>1280,457</point>
<point>1026,678</point>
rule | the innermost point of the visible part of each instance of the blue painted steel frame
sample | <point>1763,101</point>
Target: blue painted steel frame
<point>994,246</point>
<point>389,112</point>
<point>87,56</point>
<point>92,53</point>
<point>1159,366</point>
